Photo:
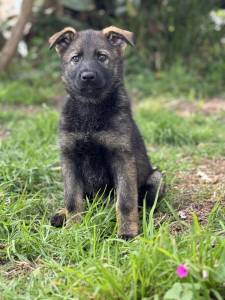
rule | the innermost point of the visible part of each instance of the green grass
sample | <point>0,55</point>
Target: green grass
<point>87,260</point>
<point>196,81</point>
<point>31,81</point>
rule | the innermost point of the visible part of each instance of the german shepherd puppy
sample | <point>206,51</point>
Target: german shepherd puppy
<point>100,143</point>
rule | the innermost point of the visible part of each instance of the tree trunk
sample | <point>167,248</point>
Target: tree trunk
<point>10,47</point>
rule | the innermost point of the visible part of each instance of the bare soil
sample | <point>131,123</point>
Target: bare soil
<point>199,189</point>
<point>209,107</point>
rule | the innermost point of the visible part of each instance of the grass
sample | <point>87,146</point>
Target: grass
<point>88,261</point>
<point>31,82</point>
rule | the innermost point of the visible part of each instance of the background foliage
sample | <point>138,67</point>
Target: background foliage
<point>180,45</point>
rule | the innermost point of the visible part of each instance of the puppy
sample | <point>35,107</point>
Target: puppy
<point>101,146</point>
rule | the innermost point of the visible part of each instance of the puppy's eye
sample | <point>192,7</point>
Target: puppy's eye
<point>102,57</point>
<point>76,58</point>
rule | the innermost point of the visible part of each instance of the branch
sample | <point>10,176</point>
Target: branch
<point>10,47</point>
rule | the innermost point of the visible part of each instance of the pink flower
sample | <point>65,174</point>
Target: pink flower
<point>182,271</point>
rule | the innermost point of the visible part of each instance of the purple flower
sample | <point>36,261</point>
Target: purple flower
<point>182,271</point>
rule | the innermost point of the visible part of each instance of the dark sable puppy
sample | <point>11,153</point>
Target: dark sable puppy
<point>100,143</point>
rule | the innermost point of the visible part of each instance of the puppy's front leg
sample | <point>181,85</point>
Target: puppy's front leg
<point>73,194</point>
<point>125,174</point>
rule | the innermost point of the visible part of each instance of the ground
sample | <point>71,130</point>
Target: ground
<point>185,139</point>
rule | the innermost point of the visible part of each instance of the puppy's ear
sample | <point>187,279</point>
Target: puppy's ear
<point>62,39</point>
<point>118,37</point>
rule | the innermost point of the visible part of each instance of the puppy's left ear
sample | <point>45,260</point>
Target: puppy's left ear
<point>62,39</point>
<point>118,37</point>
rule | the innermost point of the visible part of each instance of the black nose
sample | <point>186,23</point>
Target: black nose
<point>88,76</point>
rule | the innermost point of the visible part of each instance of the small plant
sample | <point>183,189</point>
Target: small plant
<point>182,291</point>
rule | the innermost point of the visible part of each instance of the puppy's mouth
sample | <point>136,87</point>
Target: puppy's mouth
<point>90,88</point>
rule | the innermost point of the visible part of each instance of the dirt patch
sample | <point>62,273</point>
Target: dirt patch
<point>3,246</point>
<point>199,189</point>
<point>28,110</point>
<point>209,107</point>
<point>195,191</point>
<point>216,105</point>
<point>21,268</point>
<point>183,109</point>
<point>4,133</point>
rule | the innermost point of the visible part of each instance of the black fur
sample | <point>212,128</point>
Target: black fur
<point>101,145</point>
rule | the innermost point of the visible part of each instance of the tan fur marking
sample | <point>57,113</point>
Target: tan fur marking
<point>55,37</point>
<point>70,218</point>
<point>62,212</point>
<point>128,221</point>
<point>112,140</point>
<point>129,225</point>
<point>128,36</point>
<point>73,218</point>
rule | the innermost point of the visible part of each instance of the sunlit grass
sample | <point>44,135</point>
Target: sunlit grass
<point>87,260</point>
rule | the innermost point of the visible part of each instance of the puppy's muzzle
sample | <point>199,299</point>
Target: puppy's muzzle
<point>88,77</point>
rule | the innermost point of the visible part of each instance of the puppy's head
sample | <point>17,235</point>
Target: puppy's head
<point>91,60</point>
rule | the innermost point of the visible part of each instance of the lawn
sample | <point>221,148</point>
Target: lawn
<point>87,261</point>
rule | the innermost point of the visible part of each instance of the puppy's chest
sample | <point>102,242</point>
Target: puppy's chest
<point>86,138</point>
<point>88,142</point>
<point>85,132</point>
<point>89,147</point>
<point>86,121</point>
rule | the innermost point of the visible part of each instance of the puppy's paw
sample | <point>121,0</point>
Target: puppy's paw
<point>128,230</point>
<point>75,218</point>
<point>126,237</point>
<point>59,219</point>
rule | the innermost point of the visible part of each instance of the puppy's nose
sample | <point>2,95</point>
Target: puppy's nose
<point>88,76</point>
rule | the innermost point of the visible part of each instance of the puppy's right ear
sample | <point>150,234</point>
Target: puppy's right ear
<point>62,39</point>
